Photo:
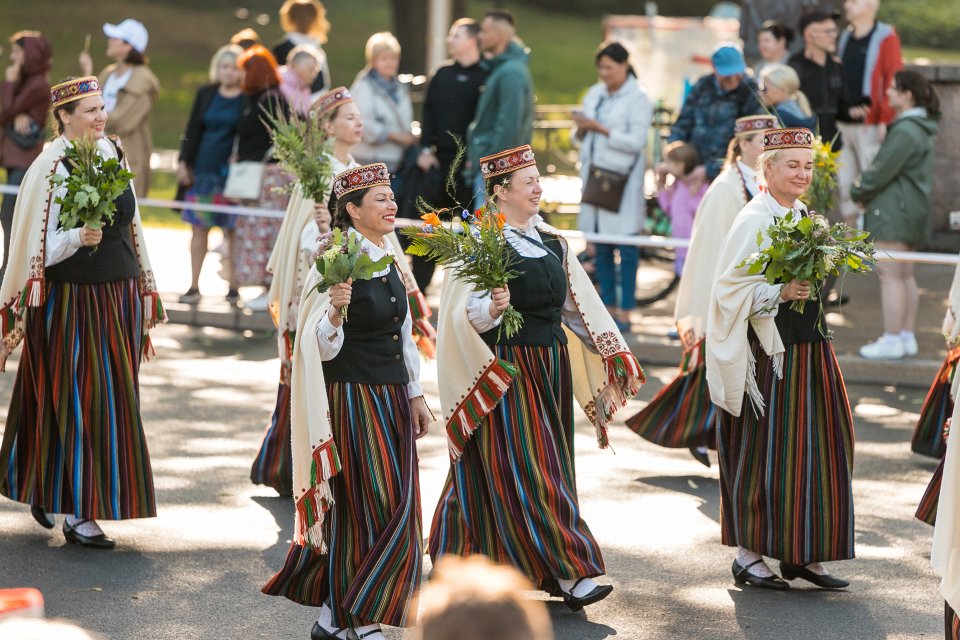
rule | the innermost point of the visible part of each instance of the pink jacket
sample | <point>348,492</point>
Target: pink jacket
<point>295,91</point>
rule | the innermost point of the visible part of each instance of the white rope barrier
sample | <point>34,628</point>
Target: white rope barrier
<point>659,242</point>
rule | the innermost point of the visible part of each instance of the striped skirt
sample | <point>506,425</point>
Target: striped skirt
<point>681,415</point>
<point>937,408</point>
<point>74,440</point>
<point>372,570</point>
<point>927,509</point>
<point>273,465</point>
<point>785,477</point>
<point>951,623</point>
<point>513,494</point>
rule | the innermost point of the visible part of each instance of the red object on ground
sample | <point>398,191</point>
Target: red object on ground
<point>21,603</point>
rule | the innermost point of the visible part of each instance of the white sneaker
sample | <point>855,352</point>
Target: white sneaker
<point>257,304</point>
<point>909,346</point>
<point>882,349</point>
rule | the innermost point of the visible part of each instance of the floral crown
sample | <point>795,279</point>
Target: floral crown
<point>61,94</point>
<point>754,124</point>
<point>365,177</point>
<point>507,161</point>
<point>331,100</point>
<point>776,139</point>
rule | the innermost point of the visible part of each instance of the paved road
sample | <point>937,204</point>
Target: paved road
<point>195,571</point>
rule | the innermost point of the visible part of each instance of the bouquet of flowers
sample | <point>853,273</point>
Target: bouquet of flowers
<point>809,248</point>
<point>822,194</point>
<point>93,186</point>
<point>474,246</point>
<point>302,149</point>
<point>341,257</point>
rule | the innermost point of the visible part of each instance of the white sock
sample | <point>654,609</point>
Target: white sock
<point>367,628</point>
<point>818,569</point>
<point>891,338</point>
<point>89,528</point>
<point>907,335</point>
<point>746,558</point>
<point>701,449</point>
<point>326,621</point>
<point>586,586</point>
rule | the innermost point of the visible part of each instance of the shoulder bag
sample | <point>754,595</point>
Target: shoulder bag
<point>604,188</point>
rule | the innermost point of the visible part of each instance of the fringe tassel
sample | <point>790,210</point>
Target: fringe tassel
<point>624,379</point>
<point>317,500</point>
<point>153,311</point>
<point>32,294</point>
<point>148,351</point>
<point>425,337</point>
<point>8,318</point>
<point>753,391</point>
<point>419,309</point>
<point>480,401</point>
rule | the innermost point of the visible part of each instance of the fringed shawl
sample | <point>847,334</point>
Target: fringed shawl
<point>472,380</point>
<point>24,282</point>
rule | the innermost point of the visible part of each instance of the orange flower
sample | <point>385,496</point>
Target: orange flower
<point>501,219</point>
<point>431,219</point>
<point>478,214</point>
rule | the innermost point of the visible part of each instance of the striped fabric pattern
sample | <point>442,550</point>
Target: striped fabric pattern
<point>785,477</point>
<point>927,510</point>
<point>274,463</point>
<point>74,440</point>
<point>512,496</point>
<point>951,623</point>
<point>681,415</point>
<point>937,408</point>
<point>374,534</point>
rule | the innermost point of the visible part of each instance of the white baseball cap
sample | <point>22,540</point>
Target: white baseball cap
<point>130,31</point>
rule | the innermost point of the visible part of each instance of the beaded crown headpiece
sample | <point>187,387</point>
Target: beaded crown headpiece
<point>754,124</point>
<point>776,139</point>
<point>369,175</point>
<point>331,100</point>
<point>506,161</point>
<point>61,94</point>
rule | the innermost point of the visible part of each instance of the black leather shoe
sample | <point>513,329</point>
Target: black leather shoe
<point>100,541</point>
<point>574,603</point>
<point>319,633</point>
<point>42,518</point>
<point>793,571</point>
<point>551,587</point>
<point>743,577</point>
<point>701,456</point>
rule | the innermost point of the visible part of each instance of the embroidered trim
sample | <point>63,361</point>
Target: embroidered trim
<point>313,505</point>
<point>482,398</point>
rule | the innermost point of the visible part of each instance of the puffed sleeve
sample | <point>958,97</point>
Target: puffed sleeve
<point>478,312</point>
<point>329,338</point>
<point>411,357</point>
<point>60,243</point>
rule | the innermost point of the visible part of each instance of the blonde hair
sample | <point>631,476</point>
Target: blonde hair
<point>784,76</point>
<point>378,43</point>
<point>308,17</point>
<point>767,158</point>
<point>227,50</point>
<point>474,599</point>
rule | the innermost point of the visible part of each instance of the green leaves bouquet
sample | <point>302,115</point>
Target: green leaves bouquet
<point>810,248</point>
<point>474,246</point>
<point>341,257</point>
<point>822,193</point>
<point>302,149</point>
<point>92,187</point>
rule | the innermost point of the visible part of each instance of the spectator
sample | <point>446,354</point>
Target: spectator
<point>681,199</point>
<point>384,104</point>
<point>24,103</point>
<point>297,77</point>
<point>820,73</point>
<point>129,91</point>
<point>870,54</point>
<point>255,235</point>
<point>205,151</point>
<point>895,191</point>
<point>504,117</point>
<point>713,106</point>
<point>780,92</point>
<point>773,42</point>
<point>449,107</point>
<point>245,38</point>
<point>474,599</point>
<point>305,22</point>
<point>612,132</point>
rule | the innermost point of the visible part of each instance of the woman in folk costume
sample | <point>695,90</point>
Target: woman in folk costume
<point>357,550</point>
<point>681,415</point>
<point>508,402</point>
<point>82,301</point>
<point>785,432</point>
<point>303,220</point>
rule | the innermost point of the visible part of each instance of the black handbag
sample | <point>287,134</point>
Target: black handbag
<point>604,188</point>
<point>27,141</point>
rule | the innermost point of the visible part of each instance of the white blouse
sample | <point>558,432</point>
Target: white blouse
<point>749,179</point>
<point>766,297</point>
<point>330,338</point>
<point>63,243</point>
<point>478,308</point>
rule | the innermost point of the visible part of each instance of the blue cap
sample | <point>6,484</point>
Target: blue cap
<point>727,59</point>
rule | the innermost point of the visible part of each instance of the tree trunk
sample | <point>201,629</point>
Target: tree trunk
<point>410,20</point>
<point>756,12</point>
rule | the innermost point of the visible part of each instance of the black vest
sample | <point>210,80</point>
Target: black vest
<point>796,328</point>
<point>372,351</point>
<point>113,259</point>
<point>538,293</point>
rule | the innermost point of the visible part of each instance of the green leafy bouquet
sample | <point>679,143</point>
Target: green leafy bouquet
<point>809,248</point>
<point>341,257</point>
<point>93,186</point>
<point>822,193</point>
<point>302,149</point>
<point>474,246</point>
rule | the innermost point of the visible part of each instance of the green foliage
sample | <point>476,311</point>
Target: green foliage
<point>341,257</point>
<point>302,148</point>
<point>931,23</point>
<point>822,194</point>
<point>93,186</point>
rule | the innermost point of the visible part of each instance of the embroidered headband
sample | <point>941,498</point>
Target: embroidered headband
<point>61,94</point>
<point>369,175</point>
<point>331,100</point>
<point>507,161</point>
<point>776,139</point>
<point>754,124</point>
